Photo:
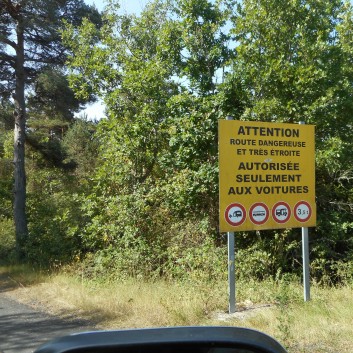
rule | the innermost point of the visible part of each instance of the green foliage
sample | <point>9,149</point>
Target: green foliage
<point>6,170</point>
<point>158,149</point>
<point>142,244</point>
<point>294,64</point>
<point>143,199</point>
<point>54,220</point>
<point>204,42</point>
<point>7,241</point>
<point>268,254</point>
<point>6,187</point>
<point>285,299</point>
<point>51,109</point>
<point>333,238</point>
<point>81,148</point>
<point>52,99</point>
<point>291,61</point>
<point>32,54</point>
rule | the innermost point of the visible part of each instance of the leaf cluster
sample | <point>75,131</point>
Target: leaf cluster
<point>146,200</point>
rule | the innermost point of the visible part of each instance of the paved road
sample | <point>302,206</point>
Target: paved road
<point>23,329</point>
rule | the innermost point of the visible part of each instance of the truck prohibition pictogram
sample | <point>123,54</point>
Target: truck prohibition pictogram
<point>235,214</point>
<point>281,212</point>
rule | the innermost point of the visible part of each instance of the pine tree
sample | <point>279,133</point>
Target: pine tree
<point>30,40</point>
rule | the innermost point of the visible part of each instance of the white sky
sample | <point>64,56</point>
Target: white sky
<point>130,6</point>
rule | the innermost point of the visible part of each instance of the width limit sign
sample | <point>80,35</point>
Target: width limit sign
<point>266,175</point>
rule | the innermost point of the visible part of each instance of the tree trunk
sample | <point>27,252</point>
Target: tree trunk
<point>20,218</point>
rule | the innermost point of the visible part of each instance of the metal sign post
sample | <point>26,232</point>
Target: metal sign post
<point>231,266</point>
<point>231,272</point>
<point>306,275</point>
<point>305,252</point>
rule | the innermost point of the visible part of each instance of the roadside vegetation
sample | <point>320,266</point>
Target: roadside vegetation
<point>125,209</point>
<point>275,307</point>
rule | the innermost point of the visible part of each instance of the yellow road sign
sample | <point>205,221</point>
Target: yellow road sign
<point>266,175</point>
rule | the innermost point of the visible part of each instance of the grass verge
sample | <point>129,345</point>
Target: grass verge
<point>322,325</point>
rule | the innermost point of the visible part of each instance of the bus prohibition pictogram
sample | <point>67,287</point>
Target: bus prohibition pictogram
<point>302,211</point>
<point>235,214</point>
<point>281,212</point>
<point>259,213</point>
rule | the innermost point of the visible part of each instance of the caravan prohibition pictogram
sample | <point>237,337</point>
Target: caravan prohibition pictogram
<point>281,212</point>
<point>259,213</point>
<point>235,214</point>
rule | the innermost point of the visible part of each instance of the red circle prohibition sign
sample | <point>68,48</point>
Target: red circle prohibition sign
<point>235,214</point>
<point>281,212</point>
<point>302,211</point>
<point>259,213</point>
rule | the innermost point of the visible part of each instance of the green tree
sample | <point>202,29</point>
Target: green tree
<point>294,64</point>
<point>29,40</point>
<point>158,146</point>
<point>81,148</point>
<point>7,238</point>
<point>6,123</point>
<point>166,78</point>
<point>204,44</point>
<point>51,108</point>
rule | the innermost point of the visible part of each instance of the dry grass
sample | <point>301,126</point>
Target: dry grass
<point>129,303</point>
<point>323,325</point>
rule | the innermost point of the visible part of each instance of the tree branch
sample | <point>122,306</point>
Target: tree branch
<point>7,58</point>
<point>6,41</point>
